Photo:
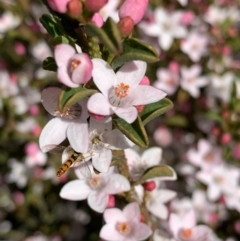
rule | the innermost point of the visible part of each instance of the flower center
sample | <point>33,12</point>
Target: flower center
<point>170,82</point>
<point>187,233</point>
<point>94,182</point>
<point>71,113</point>
<point>123,228</point>
<point>74,64</point>
<point>219,179</point>
<point>121,90</point>
<point>208,157</point>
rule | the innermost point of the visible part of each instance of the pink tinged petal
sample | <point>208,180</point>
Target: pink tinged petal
<point>116,140</point>
<point>175,224</point>
<point>204,146</point>
<point>204,177</point>
<point>100,125</point>
<point>101,160</point>
<point>62,54</point>
<point>132,212</point>
<point>213,192</point>
<point>83,72</point>
<point>58,5</point>
<point>114,215</point>
<point>198,233</point>
<point>193,157</point>
<point>132,157</point>
<point>98,201</point>
<point>63,77</point>
<point>131,73</point>
<point>103,75</point>
<point>50,99</point>
<point>54,132</point>
<point>77,134</point>
<point>129,114</point>
<point>97,20</point>
<point>164,195</point>
<point>75,190</point>
<point>158,209</point>
<point>109,232</point>
<point>141,231</point>
<point>189,219</point>
<point>98,104</point>
<point>152,156</point>
<point>151,95</point>
<point>116,183</point>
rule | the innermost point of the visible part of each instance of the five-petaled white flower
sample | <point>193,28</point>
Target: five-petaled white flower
<point>124,225</point>
<point>121,91</point>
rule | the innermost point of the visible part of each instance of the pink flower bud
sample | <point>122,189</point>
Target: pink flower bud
<point>19,48</point>
<point>134,9</point>
<point>31,149</point>
<point>226,138</point>
<point>236,151</point>
<point>58,5</point>
<point>96,116</point>
<point>226,50</point>
<point>145,81</point>
<point>97,20</point>
<point>187,18</point>
<point>142,218</point>
<point>237,226</point>
<point>74,8</point>
<point>149,186</point>
<point>111,201</point>
<point>126,25</point>
<point>34,109</point>
<point>18,198</point>
<point>139,108</point>
<point>95,5</point>
<point>174,66</point>
<point>36,130</point>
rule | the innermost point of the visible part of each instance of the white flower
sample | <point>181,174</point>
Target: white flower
<point>7,87</point>
<point>103,139</point>
<point>41,51</point>
<point>191,80</point>
<point>156,201</point>
<point>168,81</point>
<point>8,21</point>
<point>95,189</point>
<point>110,10</point>
<point>219,180</point>
<point>166,27</point>
<point>73,123</point>
<point>124,225</point>
<point>195,46</point>
<point>121,91</point>
<point>206,157</point>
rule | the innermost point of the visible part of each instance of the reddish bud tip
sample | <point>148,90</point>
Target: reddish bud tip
<point>149,186</point>
<point>145,81</point>
<point>94,5</point>
<point>126,25</point>
<point>111,201</point>
<point>139,108</point>
<point>142,218</point>
<point>226,138</point>
<point>74,8</point>
<point>96,116</point>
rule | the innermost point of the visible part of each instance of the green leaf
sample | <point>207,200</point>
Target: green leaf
<point>49,64</point>
<point>59,40</point>
<point>154,172</point>
<point>153,110</point>
<point>108,34</point>
<point>135,131</point>
<point>71,96</point>
<point>234,99</point>
<point>135,49</point>
<point>50,24</point>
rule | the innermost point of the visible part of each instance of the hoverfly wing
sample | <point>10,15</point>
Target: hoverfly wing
<point>54,149</point>
<point>82,169</point>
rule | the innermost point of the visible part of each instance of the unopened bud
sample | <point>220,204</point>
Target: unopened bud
<point>74,8</point>
<point>97,20</point>
<point>58,5</point>
<point>96,116</point>
<point>149,186</point>
<point>145,81</point>
<point>111,201</point>
<point>139,108</point>
<point>142,218</point>
<point>95,5</point>
<point>126,25</point>
<point>226,138</point>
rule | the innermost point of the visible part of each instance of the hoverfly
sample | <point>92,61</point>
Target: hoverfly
<point>70,158</point>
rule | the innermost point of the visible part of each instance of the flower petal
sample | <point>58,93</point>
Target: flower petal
<point>62,54</point>
<point>75,190</point>
<point>109,232</point>
<point>54,132</point>
<point>150,93</point>
<point>174,224</point>
<point>189,219</point>
<point>113,215</point>
<point>117,183</point>
<point>142,231</point>
<point>98,104</point>
<point>131,73</point>
<point>77,134</point>
<point>101,125</point>
<point>63,77</point>
<point>116,140</point>
<point>152,156</point>
<point>98,201</point>
<point>129,114</point>
<point>158,209</point>
<point>50,99</point>
<point>101,160</point>
<point>132,212</point>
<point>200,232</point>
<point>103,75</point>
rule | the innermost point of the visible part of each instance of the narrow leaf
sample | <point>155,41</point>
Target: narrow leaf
<point>155,172</point>
<point>49,64</point>
<point>135,131</point>
<point>134,49</point>
<point>51,25</point>
<point>153,110</point>
<point>59,40</point>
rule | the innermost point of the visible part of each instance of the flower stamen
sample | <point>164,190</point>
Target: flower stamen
<point>123,228</point>
<point>121,90</point>
<point>74,64</point>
